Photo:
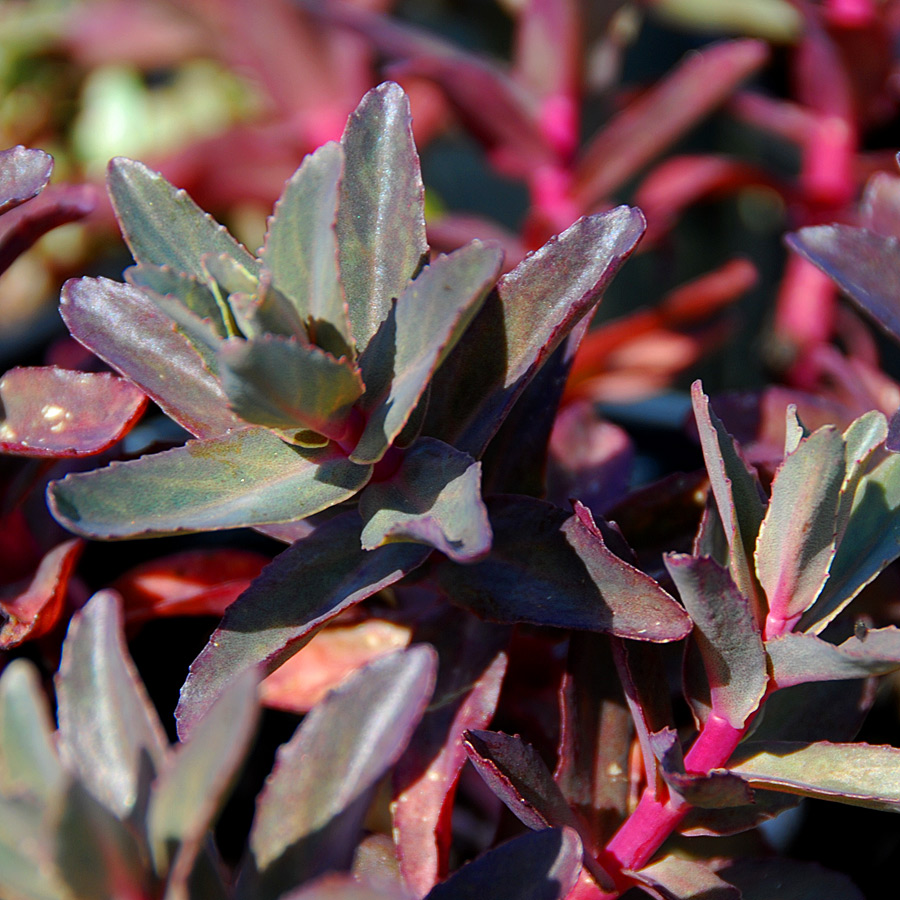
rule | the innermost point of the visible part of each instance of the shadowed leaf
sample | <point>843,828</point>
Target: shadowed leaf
<point>381,217</point>
<point>298,592</point>
<point>674,878</point>
<point>434,498</point>
<point>311,809</point>
<point>249,477</point>
<point>55,412</point>
<point>788,879</point>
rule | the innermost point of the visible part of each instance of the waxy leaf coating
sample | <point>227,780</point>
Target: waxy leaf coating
<point>686,879</point>
<point>24,173</point>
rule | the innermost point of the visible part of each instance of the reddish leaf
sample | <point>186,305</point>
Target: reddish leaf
<point>37,609</point>
<point>192,583</point>
<point>56,412</point>
<point>24,174</point>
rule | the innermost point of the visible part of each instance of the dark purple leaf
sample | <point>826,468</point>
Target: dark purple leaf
<point>55,412</point>
<point>125,329</point>
<point>534,574</point>
<point>24,174</point>
<point>542,865</point>
<point>470,673</point>
<point>272,620</point>
<point>520,325</point>
<point>788,879</point>
<point>310,811</point>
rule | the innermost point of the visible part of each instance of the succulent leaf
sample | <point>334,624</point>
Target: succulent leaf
<point>24,173</point>
<point>429,317</point>
<point>381,213</point>
<point>249,477</point>
<point>27,870</point>
<point>788,879</point>
<point>686,879</point>
<point>272,620</point>
<point>727,634</point>
<point>301,249</point>
<point>434,498</point>
<point>313,804</point>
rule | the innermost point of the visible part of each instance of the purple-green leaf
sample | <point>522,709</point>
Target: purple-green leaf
<point>48,411</point>
<point>535,574</point>
<point>163,226</point>
<point>541,865</point>
<point>312,807</point>
<point>428,319</point>
<point>727,635</point>
<point>858,774</point>
<point>301,245</point>
<point>381,213</point>
<point>342,887</point>
<point>796,540</point>
<point>434,498</point>
<point>124,328</point>
<point>250,477</point>
<point>675,878</point>
<point>110,734</point>
<point>298,592</point>
<point>280,383</point>
<point>864,264</point>
<point>24,173</point>
<point>193,784</point>
<point>800,658</point>
<point>520,325</point>
<point>738,495</point>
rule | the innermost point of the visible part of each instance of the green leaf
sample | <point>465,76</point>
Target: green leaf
<point>311,809</point>
<point>29,764</point>
<point>871,541</point>
<point>434,498</point>
<point>249,477</point>
<point>280,383</point>
<point>126,329</point>
<point>726,633</point>
<point>191,788</point>
<point>268,311</point>
<point>800,658</point>
<point>857,774</point>
<point>336,886</point>
<point>685,879</point>
<point>301,245</point>
<point>738,494</point>
<point>109,732</point>
<point>520,325</point>
<point>97,854</point>
<point>299,591</point>
<point>428,319</point>
<point>797,537</point>
<point>381,213</point>
<point>163,226</point>
<point>187,290</point>
<point>27,870</point>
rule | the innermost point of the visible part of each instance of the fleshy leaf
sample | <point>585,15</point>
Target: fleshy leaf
<point>27,870</point>
<point>541,865</point>
<point>163,226</point>
<point>125,329</point>
<point>192,786</point>
<point>520,325</point>
<point>249,477</point>
<point>343,887</point>
<point>674,878</point>
<point>28,762</point>
<point>301,246</point>
<point>871,541</point>
<point>24,173</point>
<point>280,383</point>
<point>272,620</point>
<point>797,536</point>
<point>788,879</point>
<point>36,610</point>
<point>738,495</point>
<point>48,411</point>
<point>470,673</point>
<point>428,319</point>
<point>381,213</point>
<point>109,731</point>
<point>858,774</point>
<point>726,633</point>
<point>864,264</point>
<point>313,804</point>
<point>800,658</point>
<point>434,498</point>
<point>534,574</point>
